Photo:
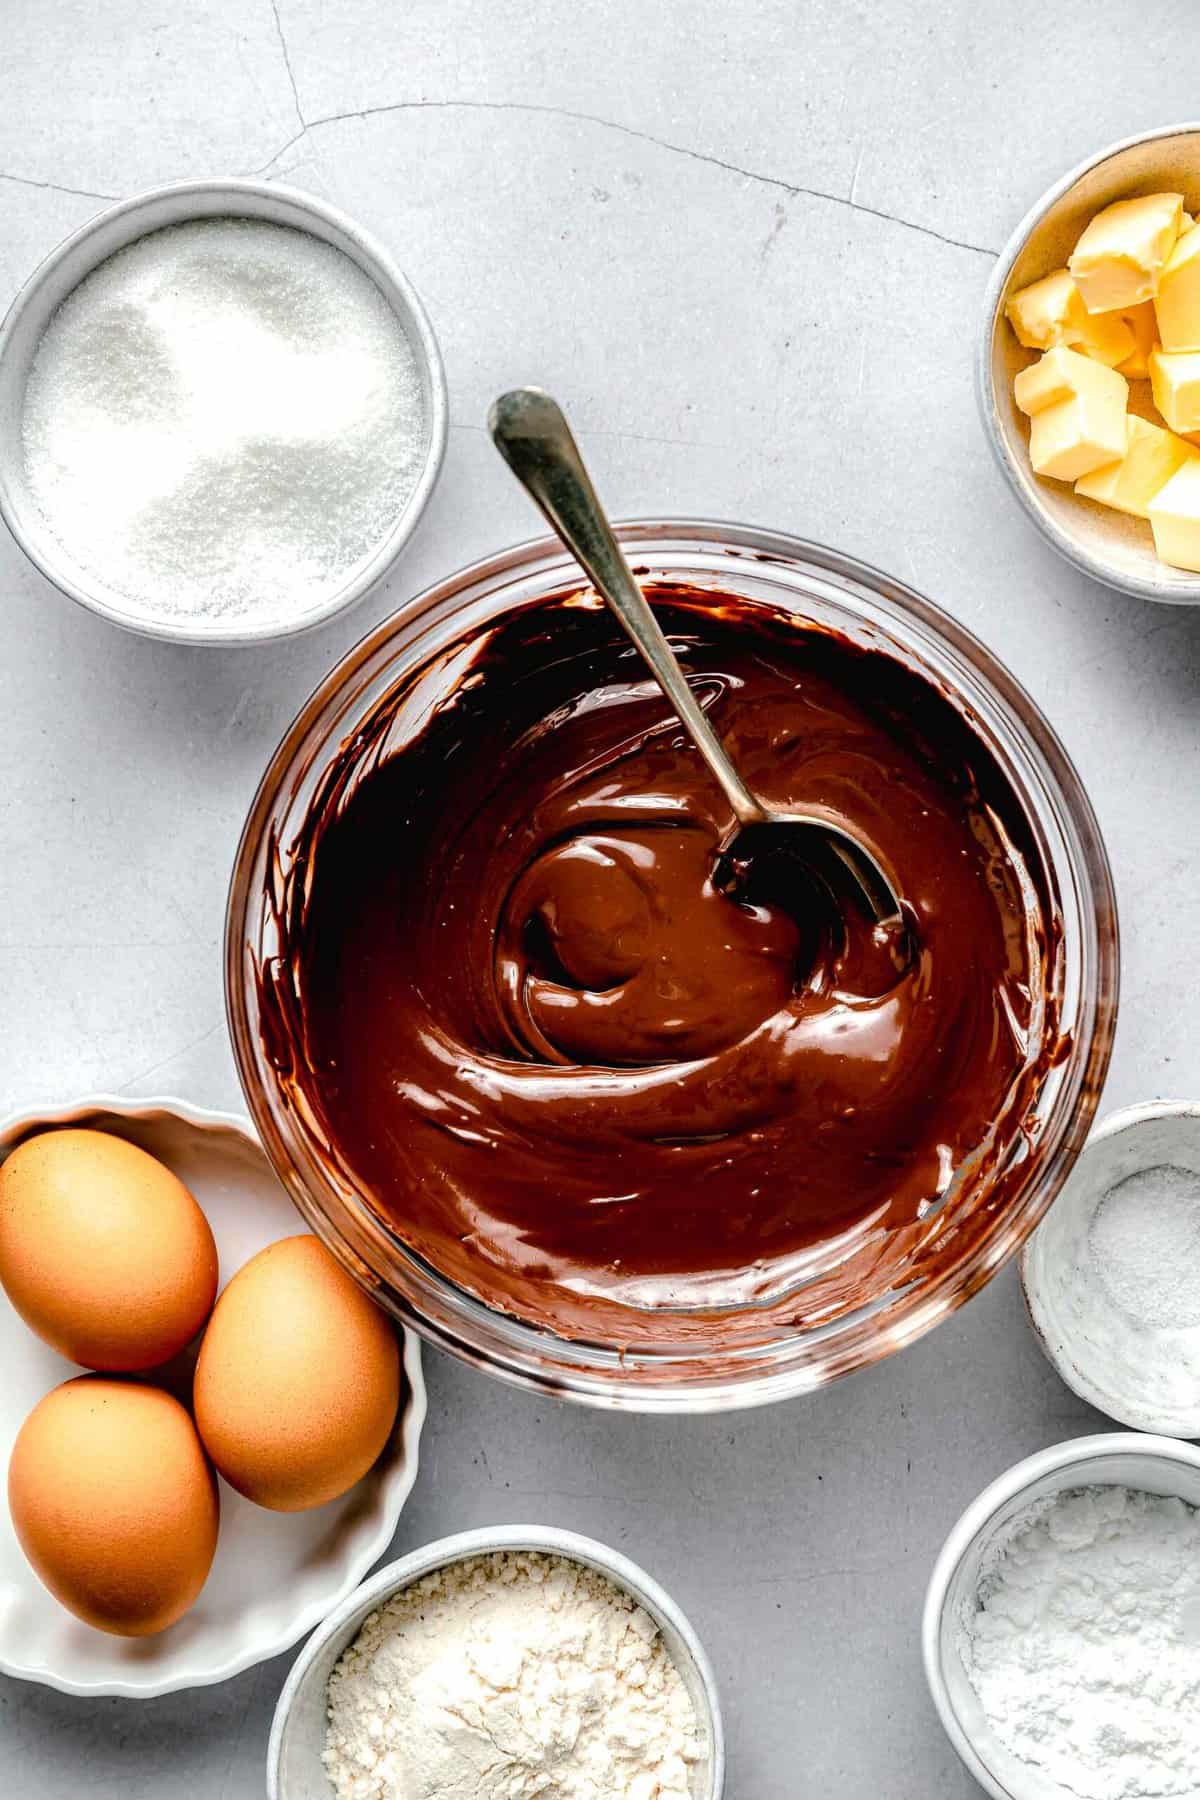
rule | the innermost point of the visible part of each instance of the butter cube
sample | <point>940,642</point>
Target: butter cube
<point>1177,302</point>
<point>1175,384</point>
<point>1077,413</point>
<point>1175,518</point>
<point>1076,436</point>
<point>1042,313</point>
<point>1143,323</point>
<point>1108,338</point>
<point>1152,456</point>
<point>1047,381</point>
<point>1117,261</point>
<point>1051,312</point>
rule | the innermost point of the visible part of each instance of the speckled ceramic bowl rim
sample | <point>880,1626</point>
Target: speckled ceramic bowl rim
<point>1126,1413</point>
<point>175,203</point>
<point>395,1491</point>
<point>550,1541</point>
<point>973,1527</point>
<point>1182,593</point>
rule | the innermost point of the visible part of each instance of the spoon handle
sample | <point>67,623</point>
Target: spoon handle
<point>535,441</point>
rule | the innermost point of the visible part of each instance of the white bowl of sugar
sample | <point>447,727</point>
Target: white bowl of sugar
<point>1061,1632</point>
<point>1112,1274</point>
<point>222,412</point>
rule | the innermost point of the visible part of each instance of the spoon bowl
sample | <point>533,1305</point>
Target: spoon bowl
<point>777,851</point>
<point>532,434</point>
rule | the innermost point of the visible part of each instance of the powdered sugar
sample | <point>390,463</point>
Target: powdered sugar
<point>223,420</point>
<point>1084,1642</point>
<point>508,1677</point>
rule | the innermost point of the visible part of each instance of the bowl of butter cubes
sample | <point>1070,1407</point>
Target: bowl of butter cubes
<point>1089,367</point>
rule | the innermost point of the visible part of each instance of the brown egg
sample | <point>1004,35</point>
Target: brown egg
<point>103,1251</point>
<point>114,1504</point>
<point>298,1379</point>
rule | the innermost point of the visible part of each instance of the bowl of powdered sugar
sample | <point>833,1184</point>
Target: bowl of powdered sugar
<point>1112,1274</point>
<point>497,1664</point>
<point>222,410</point>
<point>1062,1626</point>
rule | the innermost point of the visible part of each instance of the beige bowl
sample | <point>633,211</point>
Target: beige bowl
<point>1108,545</point>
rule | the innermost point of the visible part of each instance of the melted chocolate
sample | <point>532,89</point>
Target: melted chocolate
<point>578,1079</point>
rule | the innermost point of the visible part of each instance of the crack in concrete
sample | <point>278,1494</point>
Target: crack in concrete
<point>172,1056</point>
<point>876,212</point>
<point>287,63</point>
<point>56,187</point>
<point>280,154</point>
<point>645,137</point>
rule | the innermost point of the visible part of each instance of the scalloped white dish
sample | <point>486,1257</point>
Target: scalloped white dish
<point>275,1575</point>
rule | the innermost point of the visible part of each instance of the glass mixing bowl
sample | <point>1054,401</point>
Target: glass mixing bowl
<point>975,1233</point>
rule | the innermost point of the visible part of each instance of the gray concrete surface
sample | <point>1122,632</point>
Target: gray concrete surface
<point>747,242</point>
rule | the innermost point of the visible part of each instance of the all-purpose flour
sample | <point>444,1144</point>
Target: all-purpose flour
<point>508,1677</point>
<point>1084,1646</point>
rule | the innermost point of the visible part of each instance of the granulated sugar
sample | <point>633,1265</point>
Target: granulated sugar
<point>223,421</point>
<point>1112,1277</point>
<point>1145,1239</point>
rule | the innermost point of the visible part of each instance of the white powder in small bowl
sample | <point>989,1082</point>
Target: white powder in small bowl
<point>1081,1642</point>
<point>1112,1274</point>
<point>506,1677</point>
<point>223,421</point>
<point>1145,1242</point>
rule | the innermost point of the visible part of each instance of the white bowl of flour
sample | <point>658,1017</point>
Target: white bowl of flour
<point>222,411</point>
<point>493,1663</point>
<point>1112,1274</point>
<point>1061,1633</point>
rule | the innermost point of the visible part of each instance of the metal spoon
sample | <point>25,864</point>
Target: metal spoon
<point>535,440</point>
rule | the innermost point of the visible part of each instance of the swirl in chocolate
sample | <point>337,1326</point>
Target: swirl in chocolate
<point>572,1074</point>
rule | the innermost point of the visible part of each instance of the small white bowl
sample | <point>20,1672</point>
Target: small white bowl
<point>76,257</point>
<point>1144,1373</point>
<point>1120,1459</point>
<point>294,1767</point>
<point>1108,545</point>
<point>275,1574</point>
